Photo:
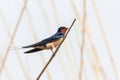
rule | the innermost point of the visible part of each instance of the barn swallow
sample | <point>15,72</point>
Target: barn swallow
<point>48,43</point>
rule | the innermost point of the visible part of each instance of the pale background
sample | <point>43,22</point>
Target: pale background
<point>41,19</point>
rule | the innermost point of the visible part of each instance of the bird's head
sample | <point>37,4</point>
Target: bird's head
<point>62,29</point>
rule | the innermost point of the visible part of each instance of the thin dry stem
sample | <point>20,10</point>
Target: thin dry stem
<point>55,11</point>
<point>7,71</point>
<point>12,37</point>
<point>32,30</point>
<point>98,66</point>
<point>83,41</point>
<point>54,53</point>
<point>106,41</point>
<point>18,57</point>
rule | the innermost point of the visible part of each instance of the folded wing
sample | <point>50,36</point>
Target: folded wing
<point>55,37</point>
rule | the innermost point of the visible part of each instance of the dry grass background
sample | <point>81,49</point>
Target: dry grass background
<point>29,21</point>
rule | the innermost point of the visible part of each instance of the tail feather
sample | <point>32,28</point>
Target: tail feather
<point>26,46</point>
<point>33,50</point>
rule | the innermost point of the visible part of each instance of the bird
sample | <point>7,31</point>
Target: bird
<point>48,43</point>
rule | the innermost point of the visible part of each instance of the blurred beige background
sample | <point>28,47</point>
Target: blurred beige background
<point>24,22</point>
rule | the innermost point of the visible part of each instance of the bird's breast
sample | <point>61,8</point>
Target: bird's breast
<point>40,47</point>
<point>53,44</point>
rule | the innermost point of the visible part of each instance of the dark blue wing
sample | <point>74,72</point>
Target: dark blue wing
<point>55,37</point>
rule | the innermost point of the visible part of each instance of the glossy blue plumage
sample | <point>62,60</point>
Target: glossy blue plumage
<point>53,38</point>
<point>44,42</point>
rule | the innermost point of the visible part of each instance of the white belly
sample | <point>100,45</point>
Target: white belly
<point>54,44</point>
